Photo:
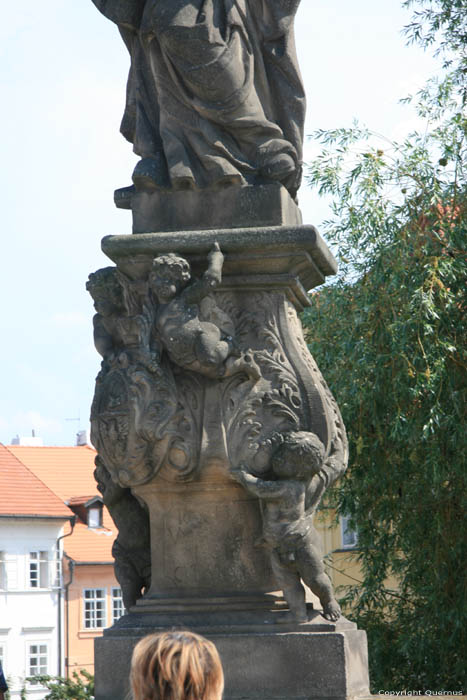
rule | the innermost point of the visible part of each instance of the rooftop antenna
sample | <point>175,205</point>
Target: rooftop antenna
<point>75,419</point>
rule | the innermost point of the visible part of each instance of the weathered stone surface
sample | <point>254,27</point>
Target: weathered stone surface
<point>252,206</point>
<point>216,432</point>
<point>199,374</point>
<point>205,381</point>
<point>318,661</point>
<point>294,258</point>
<point>214,94</point>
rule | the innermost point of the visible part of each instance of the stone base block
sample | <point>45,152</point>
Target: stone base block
<point>261,205</point>
<point>262,258</point>
<point>260,665</point>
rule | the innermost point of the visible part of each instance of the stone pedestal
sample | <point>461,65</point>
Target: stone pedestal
<point>313,661</point>
<point>255,205</point>
<point>173,436</point>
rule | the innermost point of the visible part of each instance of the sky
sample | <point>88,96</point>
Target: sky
<point>63,71</point>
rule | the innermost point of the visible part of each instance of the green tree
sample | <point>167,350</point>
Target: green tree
<point>389,336</point>
<point>79,687</point>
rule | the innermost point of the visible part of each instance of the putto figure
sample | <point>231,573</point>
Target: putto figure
<point>131,549</point>
<point>123,322</point>
<point>214,94</point>
<point>184,325</point>
<point>288,505</point>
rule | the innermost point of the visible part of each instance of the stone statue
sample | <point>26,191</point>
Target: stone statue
<point>131,549</point>
<point>189,336</point>
<point>122,324</point>
<point>214,94</point>
<point>288,505</point>
<point>215,429</point>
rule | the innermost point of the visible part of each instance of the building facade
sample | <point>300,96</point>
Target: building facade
<point>32,521</point>
<point>90,597</point>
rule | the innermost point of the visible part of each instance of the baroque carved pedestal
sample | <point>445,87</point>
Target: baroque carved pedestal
<point>172,435</point>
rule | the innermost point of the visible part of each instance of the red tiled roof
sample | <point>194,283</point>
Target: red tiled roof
<point>68,472</point>
<point>81,500</point>
<point>92,544</point>
<point>24,494</point>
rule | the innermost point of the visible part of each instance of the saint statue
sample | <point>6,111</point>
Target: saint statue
<point>214,95</point>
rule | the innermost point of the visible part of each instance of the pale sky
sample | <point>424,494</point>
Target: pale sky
<point>63,71</point>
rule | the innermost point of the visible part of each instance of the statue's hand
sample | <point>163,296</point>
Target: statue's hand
<point>240,473</point>
<point>215,253</point>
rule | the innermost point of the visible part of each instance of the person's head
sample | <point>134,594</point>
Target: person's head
<point>300,455</point>
<point>169,275</point>
<point>176,665</point>
<point>106,291</point>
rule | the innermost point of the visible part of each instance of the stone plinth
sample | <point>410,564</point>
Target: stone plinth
<point>258,205</point>
<point>314,661</point>
<point>174,436</point>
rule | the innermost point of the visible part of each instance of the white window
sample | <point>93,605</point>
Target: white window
<point>94,608</point>
<point>38,659</point>
<point>117,604</point>
<point>8,572</point>
<point>95,516</point>
<point>56,572</point>
<point>38,570</point>
<point>2,571</point>
<point>349,536</point>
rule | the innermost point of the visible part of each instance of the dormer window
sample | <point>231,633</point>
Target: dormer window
<point>94,514</point>
<point>88,509</point>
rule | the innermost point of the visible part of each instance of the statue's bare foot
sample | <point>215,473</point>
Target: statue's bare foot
<point>332,611</point>
<point>245,363</point>
<point>279,167</point>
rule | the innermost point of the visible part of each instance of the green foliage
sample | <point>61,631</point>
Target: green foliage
<point>79,687</point>
<point>389,336</point>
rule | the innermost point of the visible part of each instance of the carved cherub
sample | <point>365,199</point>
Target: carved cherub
<point>123,322</point>
<point>288,529</point>
<point>131,549</point>
<point>191,340</point>
<point>107,294</point>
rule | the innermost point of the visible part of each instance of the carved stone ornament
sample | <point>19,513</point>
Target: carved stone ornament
<point>216,433</point>
<point>202,374</point>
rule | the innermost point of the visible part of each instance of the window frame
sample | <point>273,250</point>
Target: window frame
<point>345,531</point>
<point>116,598</point>
<point>93,609</point>
<point>97,510</point>
<point>39,654</point>
<point>41,563</point>
<point>3,573</point>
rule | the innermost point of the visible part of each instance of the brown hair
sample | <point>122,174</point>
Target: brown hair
<point>176,666</point>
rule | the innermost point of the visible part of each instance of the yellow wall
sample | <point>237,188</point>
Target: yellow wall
<point>343,568</point>
<point>80,640</point>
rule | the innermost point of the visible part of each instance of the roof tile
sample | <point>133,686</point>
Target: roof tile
<point>68,472</point>
<point>22,493</point>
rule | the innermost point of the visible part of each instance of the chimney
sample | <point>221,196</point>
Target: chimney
<point>32,441</point>
<point>82,438</point>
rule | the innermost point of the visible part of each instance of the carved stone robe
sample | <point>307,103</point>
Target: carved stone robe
<point>214,86</point>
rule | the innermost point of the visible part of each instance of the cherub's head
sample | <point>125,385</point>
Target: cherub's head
<point>300,455</point>
<point>169,275</point>
<point>106,291</point>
